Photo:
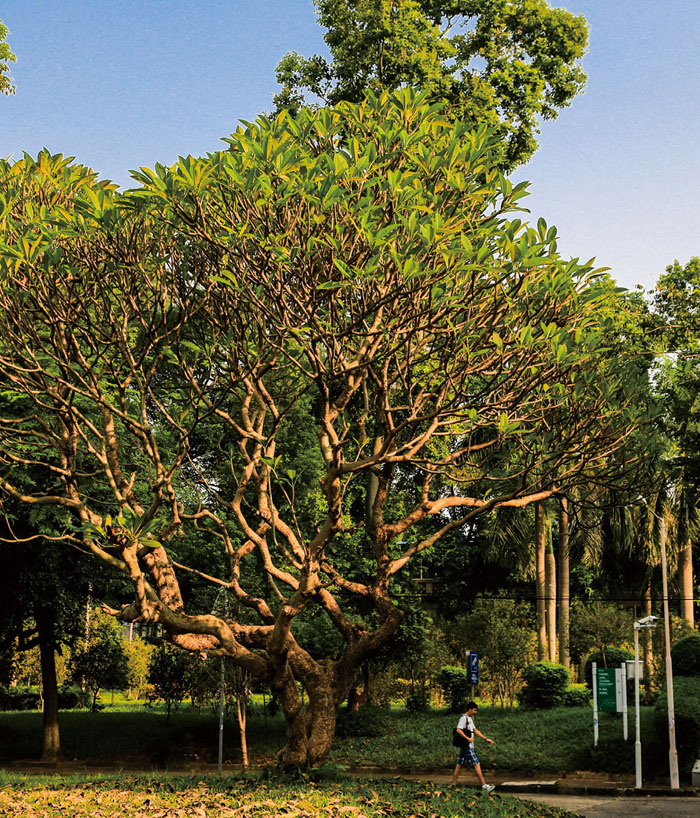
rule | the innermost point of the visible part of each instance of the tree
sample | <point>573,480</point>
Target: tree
<point>506,63</point>
<point>355,267</point>
<point>6,56</point>
<point>677,304</point>
<point>100,660</point>
<point>168,673</point>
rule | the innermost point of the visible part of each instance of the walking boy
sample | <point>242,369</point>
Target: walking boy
<point>467,757</point>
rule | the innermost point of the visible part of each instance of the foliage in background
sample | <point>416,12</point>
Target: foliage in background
<point>545,686</point>
<point>6,56</point>
<point>686,698</point>
<point>507,64</point>
<point>685,656</point>
<point>501,630</point>
<point>100,660</point>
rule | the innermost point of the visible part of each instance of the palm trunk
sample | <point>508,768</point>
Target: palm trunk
<point>540,582</point>
<point>551,602</point>
<point>52,741</point>
<point>563,584</point>
<point>685,573</point>
<point>647,647</point>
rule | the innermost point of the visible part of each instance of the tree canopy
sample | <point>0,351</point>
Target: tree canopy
<point>505,63</point>
<point>6,57</point>
<point>354,281</point>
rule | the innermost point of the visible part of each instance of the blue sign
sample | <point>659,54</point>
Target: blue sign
<point>473,667</point>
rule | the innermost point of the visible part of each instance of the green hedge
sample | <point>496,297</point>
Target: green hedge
<point>614,657</point>
<point>455,683</point>
<point>685,656</point>
<point>545,685</point>
<point>577,696</point>
<point>686,697</point>
<point>19,698</point>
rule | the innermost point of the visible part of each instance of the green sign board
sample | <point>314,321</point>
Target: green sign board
<point>606,688</point>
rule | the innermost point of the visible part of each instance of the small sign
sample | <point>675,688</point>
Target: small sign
<point>473,667</point>
<point>607,694</point>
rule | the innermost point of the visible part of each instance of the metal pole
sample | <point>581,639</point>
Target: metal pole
<point>221,719</point>
<point>638,740</point>
<point>672,752</point>
<point>594,671</point>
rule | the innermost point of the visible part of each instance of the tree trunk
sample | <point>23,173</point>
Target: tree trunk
<point>52,742</point>
<point>647,648</point>
<point>563,584</point>
<point>685,574</point>
<point>551,603</point>
<point>540,582</point>
<point>241,713</point>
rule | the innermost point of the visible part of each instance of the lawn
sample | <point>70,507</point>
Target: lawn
<point>250,797</point>
<point>559,740</point>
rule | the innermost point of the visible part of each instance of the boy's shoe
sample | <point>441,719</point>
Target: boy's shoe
<point>488,788</point>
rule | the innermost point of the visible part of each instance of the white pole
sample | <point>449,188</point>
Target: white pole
<point>672,752</point>
<point>594,668</point>
<point>638,740</point>
<point>623,693</point>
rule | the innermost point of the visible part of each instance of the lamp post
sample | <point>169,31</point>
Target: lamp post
<point>641,624</point>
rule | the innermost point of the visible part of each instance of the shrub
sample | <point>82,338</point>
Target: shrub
<point>68,697</point>
<point>367,722</point>
<point>577,696</point>
<point>455,682</point>
<point>686,695</point>
<point>685,656</point>
<point>418,701</point>
<point>613,657</point>
<point>545,685</point>
<point>19,698</point>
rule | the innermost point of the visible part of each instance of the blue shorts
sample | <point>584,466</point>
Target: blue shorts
<point>467,756</point>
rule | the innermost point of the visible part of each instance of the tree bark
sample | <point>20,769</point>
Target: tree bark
<point>647,646</point>
<point>685,574</point>
<point>563,584</point>
<point>551,602</point>
<point>52,742</point>
<point>540,582</point>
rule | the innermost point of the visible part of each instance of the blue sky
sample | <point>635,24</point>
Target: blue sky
<point>125,83</point>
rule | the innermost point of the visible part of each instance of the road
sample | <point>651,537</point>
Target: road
<point>600,806</point>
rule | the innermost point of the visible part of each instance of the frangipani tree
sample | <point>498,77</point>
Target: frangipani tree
<point>356,271</point>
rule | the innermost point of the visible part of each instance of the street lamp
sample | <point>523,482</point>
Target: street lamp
<point>646,623</point>
<point>672,752</point>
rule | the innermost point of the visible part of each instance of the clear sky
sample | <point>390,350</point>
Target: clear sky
<point>125,83</point>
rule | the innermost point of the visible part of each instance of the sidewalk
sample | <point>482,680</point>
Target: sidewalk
<point>583,783</point>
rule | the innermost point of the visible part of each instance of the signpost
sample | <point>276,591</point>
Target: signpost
<point>609,695</point>
<point>473,667</point>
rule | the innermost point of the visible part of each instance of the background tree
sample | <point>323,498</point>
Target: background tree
<point>676,303</point>
<point>506,63</point>
<point>168,675</point>
<point>6,57</point>
<point>100,660</point>
<point>381,285</point>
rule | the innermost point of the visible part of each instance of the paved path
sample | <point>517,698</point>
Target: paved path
<point>600,806</point>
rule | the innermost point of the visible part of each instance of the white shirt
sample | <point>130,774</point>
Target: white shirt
<point>466,723</point>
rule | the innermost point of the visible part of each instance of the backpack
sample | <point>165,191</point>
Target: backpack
<point>458,740</point>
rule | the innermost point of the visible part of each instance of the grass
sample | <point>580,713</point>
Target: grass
<point>558,740</point>
<point>251,797</point>
<point>554,741</point>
